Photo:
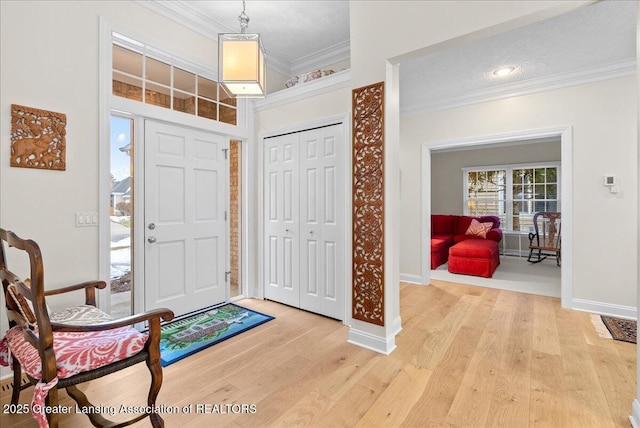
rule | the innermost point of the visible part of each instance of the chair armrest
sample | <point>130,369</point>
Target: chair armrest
<point>495,234</point>
<point>89,288</point>
<point>156,314</point>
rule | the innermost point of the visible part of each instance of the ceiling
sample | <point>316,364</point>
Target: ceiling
<point>592,43</point>
<point>298,36</point>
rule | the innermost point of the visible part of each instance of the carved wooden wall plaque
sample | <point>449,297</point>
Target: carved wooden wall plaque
<point>38,138</point>
<point>368,203</point>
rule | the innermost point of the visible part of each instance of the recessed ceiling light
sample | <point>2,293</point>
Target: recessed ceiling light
<point>504,71</point>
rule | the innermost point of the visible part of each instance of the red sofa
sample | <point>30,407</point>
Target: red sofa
<point>448,230</point>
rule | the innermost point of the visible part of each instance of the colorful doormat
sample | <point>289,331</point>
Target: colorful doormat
<point>621,329</point>
<point>185,337</point>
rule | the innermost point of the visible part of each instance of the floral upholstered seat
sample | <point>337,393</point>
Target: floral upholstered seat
<point>77,352</point>
<point>61,349</point>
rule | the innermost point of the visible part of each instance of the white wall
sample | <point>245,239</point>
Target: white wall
<point>275,81</point>
<point>50,61</point>
<point>414,28</point>
<point>325,105</point>
<point>603,117</point>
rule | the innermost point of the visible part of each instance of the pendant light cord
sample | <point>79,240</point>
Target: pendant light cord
<point>244,19</point>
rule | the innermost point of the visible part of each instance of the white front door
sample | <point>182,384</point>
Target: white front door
<point>185,227</point>
<point>304,240</point>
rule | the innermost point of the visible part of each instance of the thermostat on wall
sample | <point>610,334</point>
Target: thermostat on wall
<point>611,182</point>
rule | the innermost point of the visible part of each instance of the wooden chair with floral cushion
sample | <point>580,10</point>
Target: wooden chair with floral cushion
<point>62,349</point>
<point>545,242</point>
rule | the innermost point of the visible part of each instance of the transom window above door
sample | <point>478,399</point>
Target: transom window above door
<point>142,74</point>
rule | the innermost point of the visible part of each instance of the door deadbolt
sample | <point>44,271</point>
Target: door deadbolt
<point>152,226</point>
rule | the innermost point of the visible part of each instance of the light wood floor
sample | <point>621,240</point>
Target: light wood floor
<point>467,357</point>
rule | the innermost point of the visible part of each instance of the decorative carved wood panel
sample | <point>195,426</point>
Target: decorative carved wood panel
<point>38,138</point>
<point>368,203</point>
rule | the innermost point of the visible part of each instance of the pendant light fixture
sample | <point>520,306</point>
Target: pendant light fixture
<point>241,66</point>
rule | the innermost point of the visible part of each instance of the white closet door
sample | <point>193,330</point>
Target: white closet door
<point>322,257</point>
<point>281,210</point>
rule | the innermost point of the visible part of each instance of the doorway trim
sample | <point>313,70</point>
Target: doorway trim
<point>108,103</point>
<point>333,120</point>
<point>565,133</point>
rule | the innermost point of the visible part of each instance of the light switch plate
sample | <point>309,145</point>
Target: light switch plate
<point>85,219</point>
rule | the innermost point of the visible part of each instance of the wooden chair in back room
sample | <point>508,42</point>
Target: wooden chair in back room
<point>545,241</point>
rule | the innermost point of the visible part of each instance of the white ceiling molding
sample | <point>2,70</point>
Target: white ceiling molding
<point>314,88</point>
<point>278,64</point>
<point>558,81</point>
<point>332,55</point>
<point>185,14</point>
<point>493,145</point>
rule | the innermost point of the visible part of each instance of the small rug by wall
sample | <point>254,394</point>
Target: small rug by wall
<point>186,336</point>
<point>615,328</point>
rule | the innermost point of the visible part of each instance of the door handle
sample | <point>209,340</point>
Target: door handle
<point>151,239</point>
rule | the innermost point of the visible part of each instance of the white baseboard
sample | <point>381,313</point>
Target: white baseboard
<point>635,414</point>
<point>396,326</point>
<point>408,277</point>
<point>618,311</point>
<point>370,341</point>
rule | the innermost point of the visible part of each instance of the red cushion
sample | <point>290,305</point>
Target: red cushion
<point>463,225</point>
<point>475,248</point>
<point>477,257</point>
<point>77,352</point>
<point>441,242</point>
<point>439,258</point>
<point>473,266</point>
<point>442,224</point>
<point>493,219</point>
<point>460,238</point>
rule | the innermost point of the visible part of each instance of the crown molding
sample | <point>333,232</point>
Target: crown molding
<point>182,13</point>
<point>185,15</point>
<point>277,63</point>
<point>314,88</point>
<point>320,59</point>
<point>595,74</point>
